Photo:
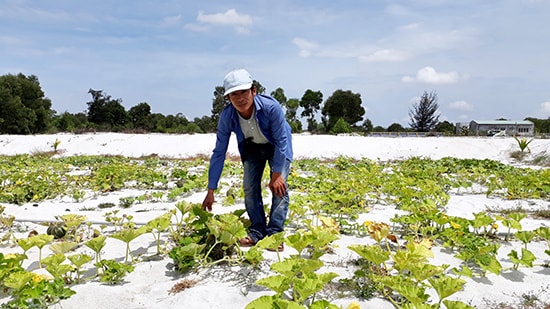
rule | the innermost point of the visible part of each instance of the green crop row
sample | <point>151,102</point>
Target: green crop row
<point>327,199</point>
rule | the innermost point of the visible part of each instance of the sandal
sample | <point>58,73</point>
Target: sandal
<point>246,242</point>
<point>280,248</point>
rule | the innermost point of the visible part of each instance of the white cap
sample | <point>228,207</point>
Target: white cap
<point>237,80</point>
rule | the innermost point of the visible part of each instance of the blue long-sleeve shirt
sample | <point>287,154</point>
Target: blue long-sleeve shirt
<point>272,123</point>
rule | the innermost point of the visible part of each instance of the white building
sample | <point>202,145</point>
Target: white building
<point>502,127</point>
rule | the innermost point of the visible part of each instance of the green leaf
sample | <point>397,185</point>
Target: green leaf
<point>79,259</point>
<point>25,244</point>
<point>514,257</point>
<point>72,220</point>
<point>413,292</point>
<point>527,257</point>
<point>277,283</point>
<point>482,219</point>
<point>128,234</point>
<point>423,271</point>
<point>323,304</point>
<point>455,304</point>
<point>254,255</point>
<point>305,287</point>
<point>18,280</point>
<point>272,241</point>
<point>294,266</point>
<point>59,270</point>
<point>54,259</point>
<point>63,246</point>
<point>446,286</point>
<point>525,236</point>
<point>96,244</point>
<point>271,302</point>
<point>299,241</point>
<point>372,253</point>
<point>492,265</point>
<point>543,232</point>
<point>160,223</point>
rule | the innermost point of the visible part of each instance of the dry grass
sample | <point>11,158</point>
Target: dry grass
<point>183,285</point>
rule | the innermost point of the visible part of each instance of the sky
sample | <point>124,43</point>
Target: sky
<point>484,59</point>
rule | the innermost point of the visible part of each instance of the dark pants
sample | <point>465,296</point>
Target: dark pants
<point>254,158</point>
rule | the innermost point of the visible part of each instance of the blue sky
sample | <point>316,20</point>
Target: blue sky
<point>484,59</point>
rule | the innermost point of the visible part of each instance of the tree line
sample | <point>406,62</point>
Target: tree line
<point>24,109</point>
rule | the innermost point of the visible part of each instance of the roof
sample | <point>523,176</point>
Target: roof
<point>504,122</point>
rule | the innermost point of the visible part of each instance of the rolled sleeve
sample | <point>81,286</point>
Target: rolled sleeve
<point>217,160</point>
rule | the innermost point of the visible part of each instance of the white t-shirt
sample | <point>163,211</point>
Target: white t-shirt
<point>251,128</point>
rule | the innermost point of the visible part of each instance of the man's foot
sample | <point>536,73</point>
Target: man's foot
<point>280,248</point>
<point>246,242</point>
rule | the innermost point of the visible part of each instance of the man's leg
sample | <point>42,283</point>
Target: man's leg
<point>252,185</point>
<point>279,206</point>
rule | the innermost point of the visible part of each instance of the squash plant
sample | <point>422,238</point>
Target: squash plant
<point>405,282</point>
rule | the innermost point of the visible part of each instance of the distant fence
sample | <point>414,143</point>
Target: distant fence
<point>404,134</point>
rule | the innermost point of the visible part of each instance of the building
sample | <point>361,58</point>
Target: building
<point>502,127</point>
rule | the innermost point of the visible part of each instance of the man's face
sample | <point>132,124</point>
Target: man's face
<point>243,101</point>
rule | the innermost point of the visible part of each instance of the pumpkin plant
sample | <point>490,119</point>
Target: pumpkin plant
<point>296,280</point>
<point>157,225</point>
<point>79,260</point>
<point>128,234</point>
<point>54,265</point>
<point>97,244</point>
<point>39,241</point>
<point>70,222</point>
<point>113,272</point>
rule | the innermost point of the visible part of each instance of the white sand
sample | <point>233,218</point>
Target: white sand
<point>149,284</point>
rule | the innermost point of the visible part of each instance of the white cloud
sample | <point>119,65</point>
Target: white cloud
<point>545,109</point>
<point>398,10</point>
<point>384,55</point>
<point>419,39</point>
<point>429,75</point>
<point>462,106</point>
<point>197,27</point>
<point>171,20</point>
<point>240,22</point>
<point>306,47</point>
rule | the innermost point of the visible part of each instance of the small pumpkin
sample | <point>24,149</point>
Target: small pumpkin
<point>57,229</point>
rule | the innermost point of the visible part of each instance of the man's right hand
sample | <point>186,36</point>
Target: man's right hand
<point>208,200</point>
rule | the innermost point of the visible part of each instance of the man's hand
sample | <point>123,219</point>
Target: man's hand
<point>277,185</point>
<point>208,200</point>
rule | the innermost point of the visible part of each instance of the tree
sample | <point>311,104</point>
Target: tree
<point>341,126</point>
<point>395,127</point>
<point>378,129</point>
<point>139,115</point>
<point>67,122</point>
<point>206,124</point>
<point>290,115</point>
<point>367,126</point>
<point>311,103</point>
<point>446,127</point>
<point>423,116</point>
<point>345,105</point>
<point>23,107</point>
<point>541,125</point>
<point>105,112</point>
<point>156,123</point>
<point>218,103</point>
<point>279,95</point>
<point>176,123</point>
<point>259,88</point>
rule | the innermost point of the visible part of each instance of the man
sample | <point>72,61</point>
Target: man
<point>263,135</point>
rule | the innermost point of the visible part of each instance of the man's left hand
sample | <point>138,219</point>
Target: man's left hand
<point>277,185</point>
